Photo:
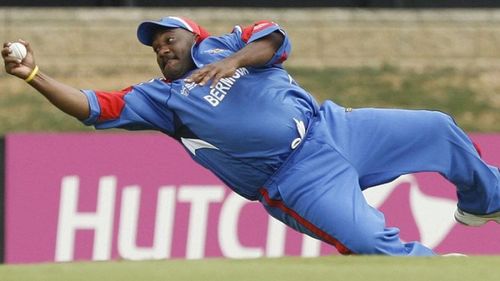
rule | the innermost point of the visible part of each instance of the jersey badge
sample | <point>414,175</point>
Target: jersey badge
<point>187,87</point>
<point>214,51</point>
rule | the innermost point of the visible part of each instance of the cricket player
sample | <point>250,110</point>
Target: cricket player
<point>231,104</point>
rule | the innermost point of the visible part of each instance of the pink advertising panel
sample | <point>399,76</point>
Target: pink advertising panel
<point>140,196</point>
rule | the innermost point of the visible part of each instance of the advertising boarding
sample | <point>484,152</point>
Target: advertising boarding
<point>80,196</point>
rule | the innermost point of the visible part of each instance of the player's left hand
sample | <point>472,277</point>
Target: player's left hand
<point>214,71</point>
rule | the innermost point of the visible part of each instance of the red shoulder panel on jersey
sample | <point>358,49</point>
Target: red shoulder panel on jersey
<point>111,103</point>
<point>248,31</point>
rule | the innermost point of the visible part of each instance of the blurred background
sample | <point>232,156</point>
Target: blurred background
<point>383,53</point>
<point>260,3</point>
<point>441,55</point>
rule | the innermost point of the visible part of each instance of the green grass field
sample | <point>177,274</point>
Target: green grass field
<point>362,268</point>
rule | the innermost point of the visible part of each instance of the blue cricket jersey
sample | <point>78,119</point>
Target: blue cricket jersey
<point>242,130</point>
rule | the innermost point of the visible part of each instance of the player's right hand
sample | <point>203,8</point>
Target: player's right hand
<point>213,71</point>
<point>13,66</point>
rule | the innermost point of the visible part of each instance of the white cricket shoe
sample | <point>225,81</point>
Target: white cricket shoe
<point>454,255</point>
<point>475,220</point>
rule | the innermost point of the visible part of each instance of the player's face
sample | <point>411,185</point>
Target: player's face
<point>173,51</point>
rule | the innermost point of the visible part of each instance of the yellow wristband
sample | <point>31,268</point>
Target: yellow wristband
<point>32,75</point>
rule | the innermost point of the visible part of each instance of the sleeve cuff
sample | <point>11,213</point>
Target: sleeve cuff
<point>282,53</point>
<point>263,32</point>
<point>94,108</point>
<point>263,29</point>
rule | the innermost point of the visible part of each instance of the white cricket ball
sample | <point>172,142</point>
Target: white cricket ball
<point>17,50</point>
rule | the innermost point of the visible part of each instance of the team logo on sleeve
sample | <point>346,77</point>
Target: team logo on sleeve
<point>260,26</point>
<point>215,51</point>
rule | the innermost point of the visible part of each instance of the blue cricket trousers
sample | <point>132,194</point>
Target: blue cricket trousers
<point>318,190</point>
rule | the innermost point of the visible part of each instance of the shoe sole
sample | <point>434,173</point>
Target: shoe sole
<point>454,255</point>
<point>475,220</point>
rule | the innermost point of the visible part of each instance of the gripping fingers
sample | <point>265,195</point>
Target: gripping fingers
<point>11,59</point>
<point>5,50</point>
<point>6,45</point>
<point>6,54</point>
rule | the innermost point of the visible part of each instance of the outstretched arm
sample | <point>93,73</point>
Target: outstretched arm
<point>68,99</point>
<point>255,54</point>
